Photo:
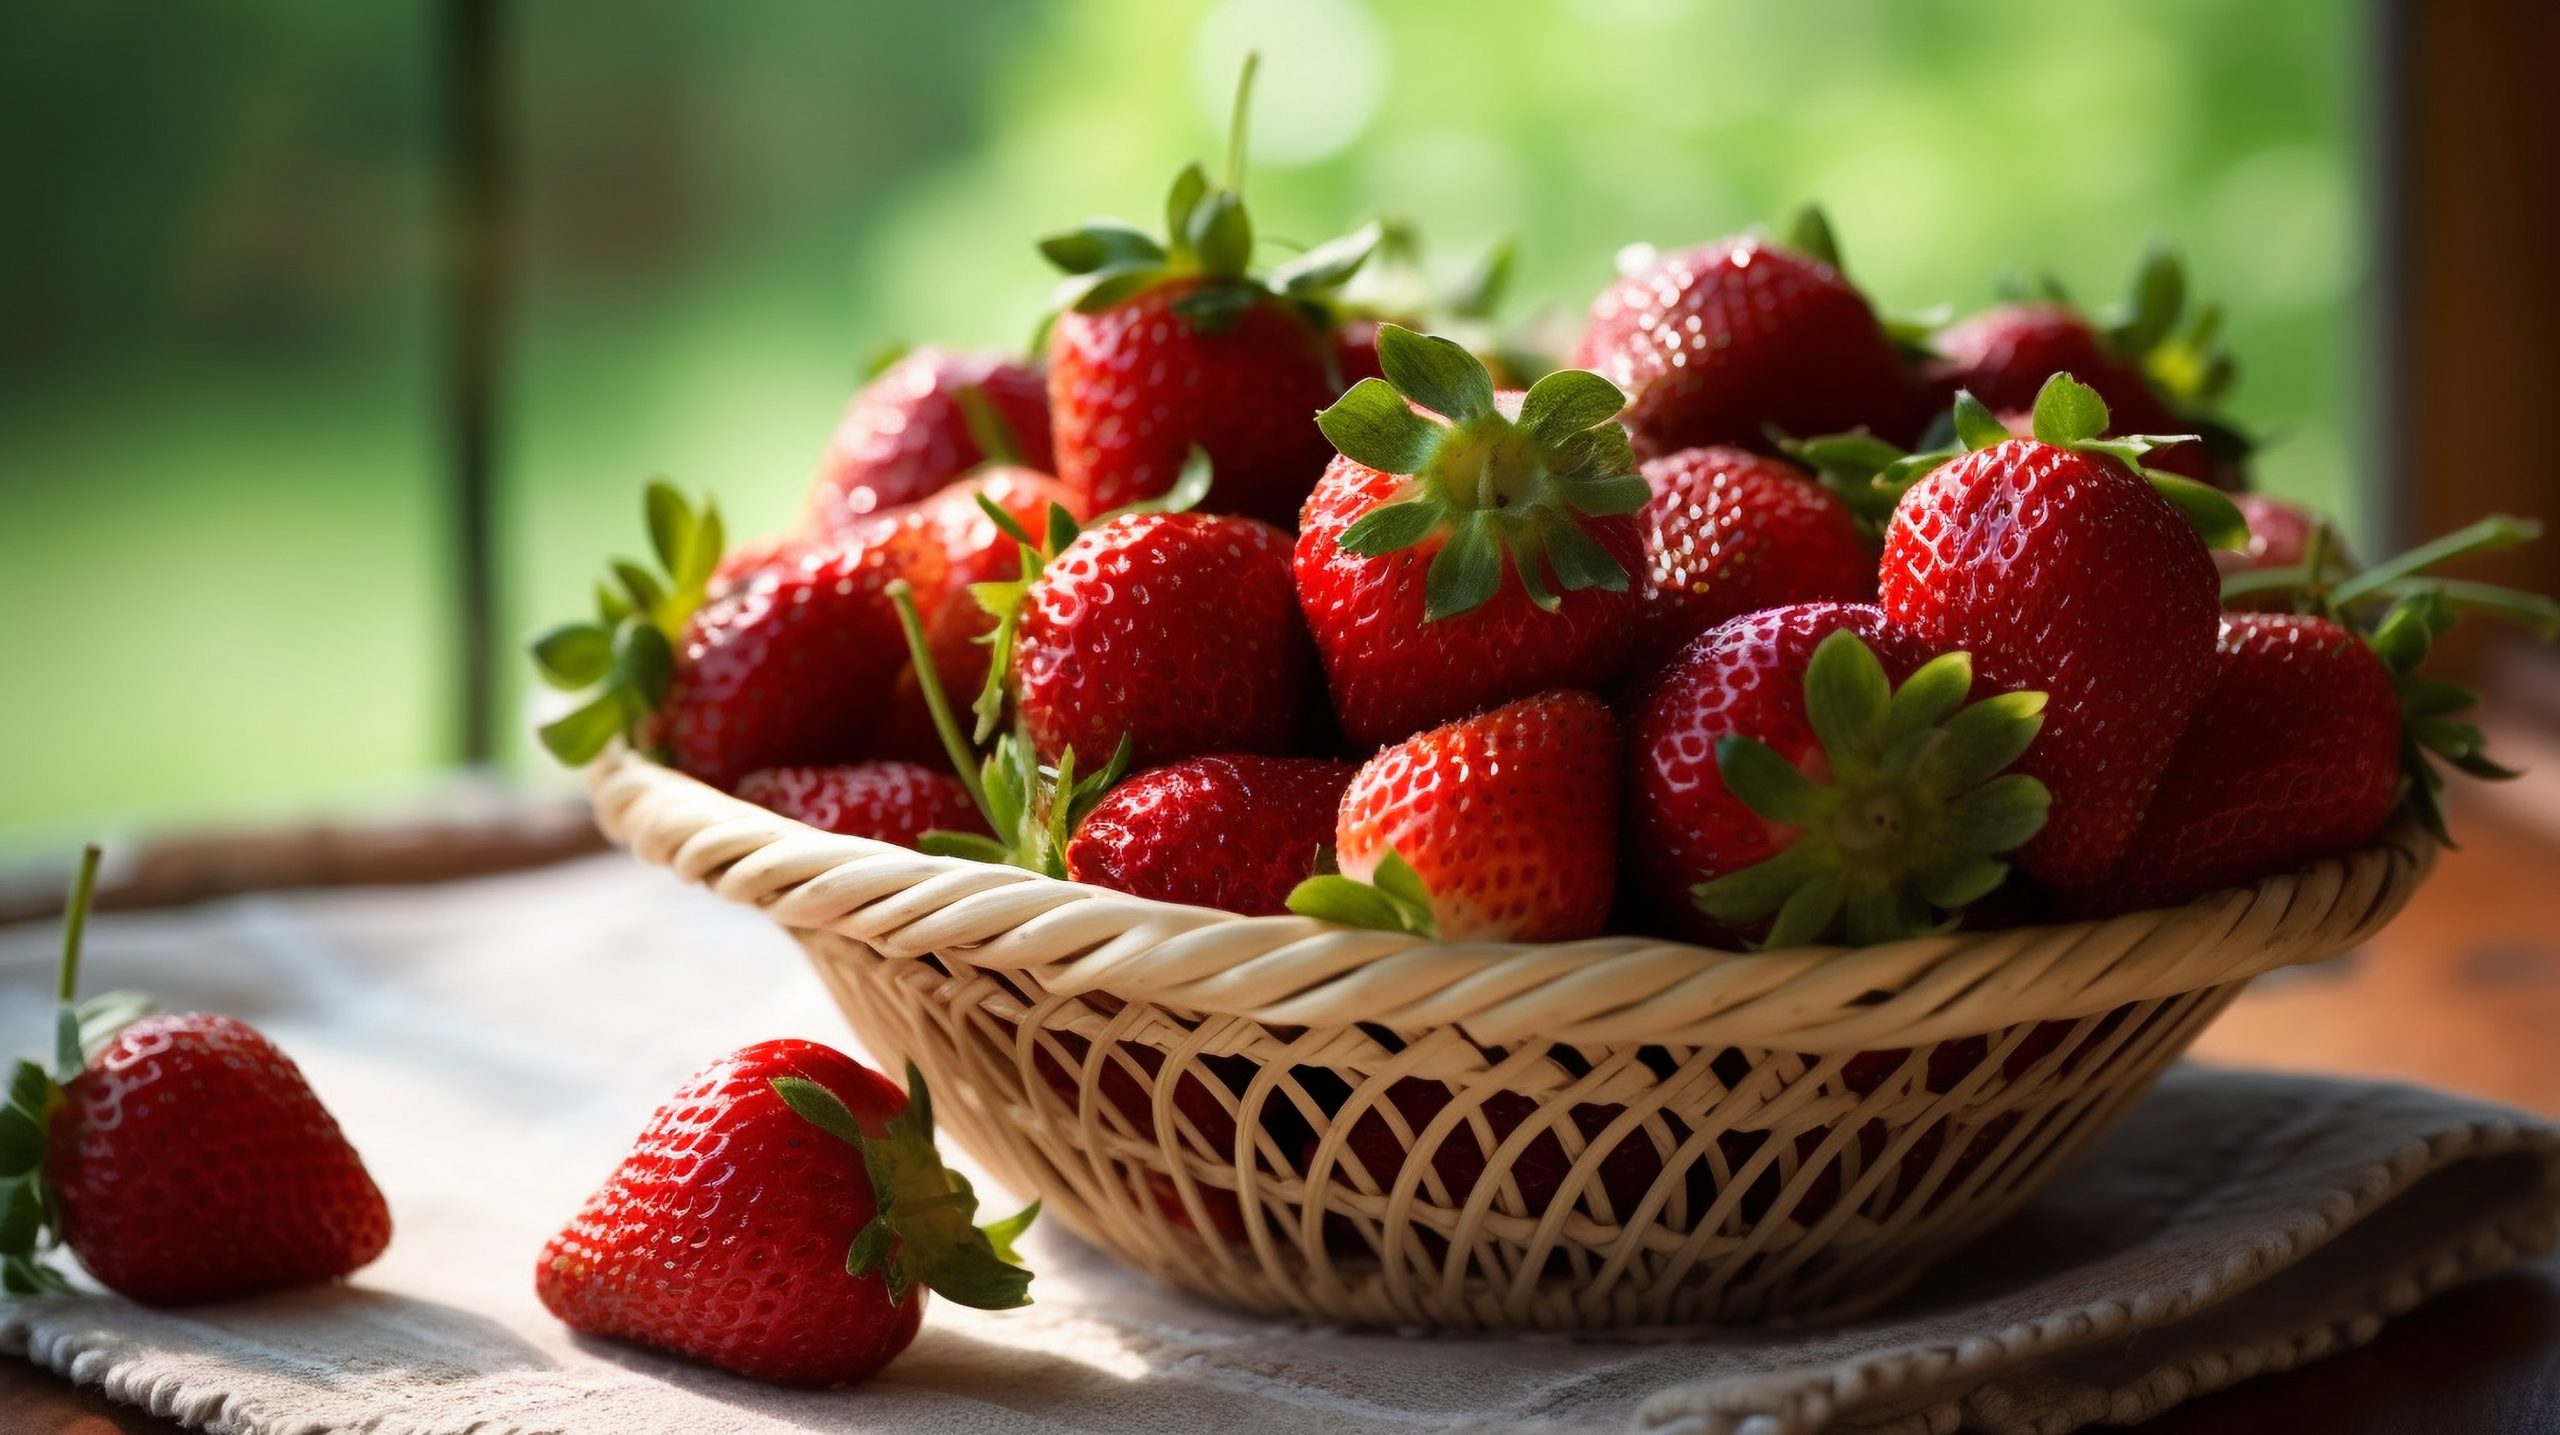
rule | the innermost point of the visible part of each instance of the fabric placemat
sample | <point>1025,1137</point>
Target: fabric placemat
<point>492,1046</point>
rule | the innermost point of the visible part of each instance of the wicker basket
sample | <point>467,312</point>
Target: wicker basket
<point>1370,1127</point>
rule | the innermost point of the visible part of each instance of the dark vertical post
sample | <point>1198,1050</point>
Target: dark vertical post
<point>2383,467</point>
<point>472,296</point>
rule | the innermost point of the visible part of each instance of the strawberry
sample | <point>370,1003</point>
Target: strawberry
<point>2290,551</point>
<point>1177,631</point>
<point>2057,566</point>
<point>1729,532</point>
<point>2293,755</point>
<point>1809,769</point>
<point>1447,564</point>
<point>1161,348</point>
<point>1211,1120</point>
<point>961,527</point>
<point>1498,826</point>
<point>1719,344</point>
<point>925,419</point>
<point>885,801</point>
<point>781,1217</point>
<point>1230,831</point>
<point>185,1159</point>
<point>788,668</point>
<point>2158,371</point>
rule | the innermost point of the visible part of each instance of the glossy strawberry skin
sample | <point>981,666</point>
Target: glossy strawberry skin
<point>1179,629</point>
<point>723,1234</point>
<point>905,435</point>
<point>884,801</point>
<point>1391,673</point>
<point>1509,817</point>
<point>790,668</point>
<point>1133,387</point>
<point>967,547</point>
<point>1744,677</point>
<point>1729,532</point>
<point>2066,573</point>
<point>1716,344</point>
<point>190,1162</point>
<point>2293,756</point>
<point>1236,832</point>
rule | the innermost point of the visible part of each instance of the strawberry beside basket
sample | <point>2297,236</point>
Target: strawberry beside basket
<point>1374,1127</point>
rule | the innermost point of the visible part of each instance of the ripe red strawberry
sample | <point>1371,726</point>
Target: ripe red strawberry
<point>884,801</point>
<point>2283,539</point>
<point>788,668</point>
<point>1447,566</point>
<point>2158,371</point>
<point>1718,344</point>
<point>1228,831</point>
<point>781,1217</point>
<point>923,421</point>
<point>1167,347</point>
<point>1177,631</point>
<point>184,1160</point>
<point>1811,769</point>
<point>2295,754</point>
<point>2061,569</point>
<point>1729,532</point>
<point>1502,825</point>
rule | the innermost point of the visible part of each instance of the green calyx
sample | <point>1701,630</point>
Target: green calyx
<point>924,1231</point>
<point>624,657</point>
<point>1208,237</point>
<point>30,1224</point>
<point>2400,607</point>
<point>1393,900</point>
<point>1489,487</point>
<point>1917,811</point>
<point>1397,287</point>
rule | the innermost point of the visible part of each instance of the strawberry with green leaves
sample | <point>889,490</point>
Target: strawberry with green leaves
<point>1165,346</point>
<point>1721,343</point>
<point>180,1158</point>
<point>926,418</point>
<point>1468,547</point>
<point>1501,826</point>
<point>787,668</point>
<point>2160,370</point>
<point>2320,724</point>
<point>1810,772</point>
<point>2063,567</point>
<point>782,1216</point>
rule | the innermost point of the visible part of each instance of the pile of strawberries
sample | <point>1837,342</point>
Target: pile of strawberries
<point>1771,621</point>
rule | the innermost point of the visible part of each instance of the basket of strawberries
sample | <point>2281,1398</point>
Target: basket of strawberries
<point>1697,836</point>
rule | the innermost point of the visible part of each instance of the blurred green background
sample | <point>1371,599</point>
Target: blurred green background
<point>223,557</point>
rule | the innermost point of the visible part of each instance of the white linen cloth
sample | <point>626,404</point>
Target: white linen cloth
<point>492,1047</point>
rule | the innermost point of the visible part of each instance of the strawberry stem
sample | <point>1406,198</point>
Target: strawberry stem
<point>2489,535</point>
<point>964,761</point>
<point>84,890</point>
<point>1236,120</point>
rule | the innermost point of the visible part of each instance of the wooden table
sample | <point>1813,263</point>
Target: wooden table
<point>2463,992</point>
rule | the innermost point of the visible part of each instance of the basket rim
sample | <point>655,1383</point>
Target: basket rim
<point>1077,939</point>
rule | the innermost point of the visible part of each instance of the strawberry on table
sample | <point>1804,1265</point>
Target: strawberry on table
<point>926,419</point>
<point>1811,771</point>
<point>1467,548</point>
<point>1729,532</point>
<point>2159,371</point>
<point>2063,568</point>
<point>788,667</point>
<point>781,1216</point>
<point>1232,831</point>
<point>182,1159</point>
<point>885,801</point>
<point>1719,344</point>
<point>1501,826</point>
<point>1163,347</point>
